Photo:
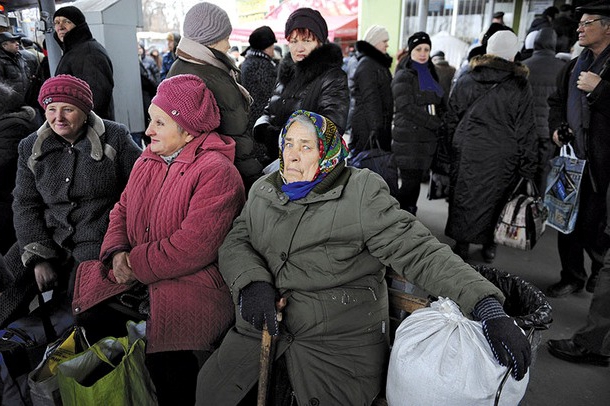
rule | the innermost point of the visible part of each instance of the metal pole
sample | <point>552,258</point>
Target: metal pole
<point>47,9</point>
<point>454,16</point>
<point>422,11</point>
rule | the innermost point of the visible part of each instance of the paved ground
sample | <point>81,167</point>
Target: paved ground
<point>552,381</point>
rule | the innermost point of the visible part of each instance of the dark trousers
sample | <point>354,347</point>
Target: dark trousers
<point>174,374</point>
<point>588,236</point>
<point>595,335</point>
<point>409,189</point>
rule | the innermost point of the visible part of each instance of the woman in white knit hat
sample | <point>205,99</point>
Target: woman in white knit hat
<point>491,121</point>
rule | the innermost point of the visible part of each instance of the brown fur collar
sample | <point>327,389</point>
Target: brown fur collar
<point>495,62</point>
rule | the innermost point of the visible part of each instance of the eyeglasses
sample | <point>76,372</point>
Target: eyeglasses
<point>582,24</point>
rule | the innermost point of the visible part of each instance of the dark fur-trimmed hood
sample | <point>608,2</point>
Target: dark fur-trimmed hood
<point>321,60</point>
<point>490,68</point>
<point>366,49</point>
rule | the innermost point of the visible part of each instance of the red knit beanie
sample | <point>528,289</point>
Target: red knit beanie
<point>189,102</point>
<point>66,89</point>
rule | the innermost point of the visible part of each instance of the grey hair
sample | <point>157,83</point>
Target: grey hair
<point>306,121</point>
<point>604,20</point>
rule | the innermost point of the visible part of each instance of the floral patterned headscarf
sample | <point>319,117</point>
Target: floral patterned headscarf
<point>331,146</point>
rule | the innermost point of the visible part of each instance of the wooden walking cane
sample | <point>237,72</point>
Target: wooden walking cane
<point>266,362</point>
<point>266,358</point>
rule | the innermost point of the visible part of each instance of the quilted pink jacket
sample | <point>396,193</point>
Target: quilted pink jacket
<point>173,219</point>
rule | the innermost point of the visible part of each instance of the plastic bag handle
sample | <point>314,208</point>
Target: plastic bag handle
<point>568,151</point>
<point>100,354</point>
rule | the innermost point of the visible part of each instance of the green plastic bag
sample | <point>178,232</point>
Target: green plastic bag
<point>110,372</point>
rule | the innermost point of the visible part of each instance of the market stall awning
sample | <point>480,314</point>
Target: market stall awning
<point>344,27</point>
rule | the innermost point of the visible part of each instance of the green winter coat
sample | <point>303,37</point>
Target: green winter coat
<point>327,254</point>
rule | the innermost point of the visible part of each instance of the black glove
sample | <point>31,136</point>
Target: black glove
<point>507,341</point>
<point>257,306</point>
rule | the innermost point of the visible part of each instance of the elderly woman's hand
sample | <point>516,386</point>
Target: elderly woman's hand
<point>121,267</point>
<point>508,342</point>
<point>46,277</point>
<point>257,305</point>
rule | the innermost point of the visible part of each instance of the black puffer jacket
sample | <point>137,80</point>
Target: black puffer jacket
<point>371,103</point>
<point>258,76</point>
<point>317,84</point>
<point>544,68</point>
<point>88,60</point>
<point>14,127</point>
<point>415,129</point>
<point>14,72</point>
<point>494,142</point>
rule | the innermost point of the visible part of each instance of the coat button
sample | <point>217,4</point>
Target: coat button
<point>290,338</point>
<point>67,179</point>
<point>77,310</point>
<point>283,256</point>
<point>314,402</point>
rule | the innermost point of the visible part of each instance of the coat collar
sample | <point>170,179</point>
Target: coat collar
<point>95,130</point>
<point>330,188</point>
<point>490,62</point>
<point>187,155</point>
<point>320,61</point>
<point>366,49</point>
<point>78,34</point>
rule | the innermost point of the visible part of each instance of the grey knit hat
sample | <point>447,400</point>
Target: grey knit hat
<point>207,24</point>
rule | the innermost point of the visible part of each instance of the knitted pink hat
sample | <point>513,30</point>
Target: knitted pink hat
<point>66,89</point>
<point>189,102</point>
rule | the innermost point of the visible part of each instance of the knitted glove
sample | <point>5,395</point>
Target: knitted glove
<point>507,341</point>
<point>257,306</point>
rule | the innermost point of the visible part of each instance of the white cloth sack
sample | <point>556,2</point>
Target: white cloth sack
<point>440,357</point>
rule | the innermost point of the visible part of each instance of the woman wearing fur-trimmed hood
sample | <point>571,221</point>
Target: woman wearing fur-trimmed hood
<point>310,78</point>
<point>491,123</point>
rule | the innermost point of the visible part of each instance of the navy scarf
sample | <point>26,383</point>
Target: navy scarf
<point>426,80</point>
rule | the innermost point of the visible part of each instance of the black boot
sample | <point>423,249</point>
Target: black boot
<point>461,249</point>
<point>489,252</point>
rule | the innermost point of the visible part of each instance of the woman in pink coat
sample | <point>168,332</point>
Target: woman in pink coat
<point>163,239</point>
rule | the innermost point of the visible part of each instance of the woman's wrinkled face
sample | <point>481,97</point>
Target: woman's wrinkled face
<point>383,46</point>
<point>421,53</point>
<point>300,46</point>
<point>301,155</point>
<point>65,119</point>
<point>165,135</point>
<point>62,27</point>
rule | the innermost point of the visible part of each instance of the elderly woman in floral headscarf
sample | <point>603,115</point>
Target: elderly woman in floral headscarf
<point>315,237</point>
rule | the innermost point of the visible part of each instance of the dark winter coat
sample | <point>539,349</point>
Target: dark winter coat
<point>88,60</point>
<point>14,72</point>
<point>63,196</point>
<point>14,127</point>
<point>594,144</point>
<point>371,103</point>
<point>64,192</point>
<point>494,143</point>
<point>233,109</point>
<point>543,68</point>
<point>415,129</point>
<point>327,254</point>
<point>172,220</point>
<point>258,76</point>
<point>317,84</point>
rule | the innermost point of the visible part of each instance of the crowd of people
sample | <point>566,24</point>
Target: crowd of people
<point>191,236</point>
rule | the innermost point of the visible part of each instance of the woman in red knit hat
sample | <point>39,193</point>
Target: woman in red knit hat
<point>163,238</point>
